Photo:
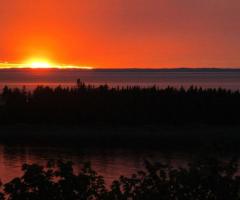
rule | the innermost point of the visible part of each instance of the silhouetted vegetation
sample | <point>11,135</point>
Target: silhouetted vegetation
<point>204,179</point>
<point>86,104</point>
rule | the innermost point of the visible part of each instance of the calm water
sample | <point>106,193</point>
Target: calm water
<point>111,163</point>
<point>229,79</point>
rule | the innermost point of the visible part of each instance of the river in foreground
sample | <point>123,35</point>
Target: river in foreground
<point>110,163</point>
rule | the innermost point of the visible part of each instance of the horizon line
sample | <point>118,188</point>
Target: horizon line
<point>6,65</point>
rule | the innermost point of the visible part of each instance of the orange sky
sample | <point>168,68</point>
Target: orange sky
<point>122,33</point>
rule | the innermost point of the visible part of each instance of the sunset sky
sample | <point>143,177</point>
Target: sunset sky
<point>122,33</point>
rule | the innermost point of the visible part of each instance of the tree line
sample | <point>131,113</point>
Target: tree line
<point>86,104</point>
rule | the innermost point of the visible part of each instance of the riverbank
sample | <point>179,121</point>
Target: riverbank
<point>165,137</point>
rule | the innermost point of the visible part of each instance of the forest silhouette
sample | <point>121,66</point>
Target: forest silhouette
<point>86,104</point>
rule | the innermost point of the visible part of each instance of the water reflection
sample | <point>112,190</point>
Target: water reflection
<point>206,79</point>
<point>110,163</point>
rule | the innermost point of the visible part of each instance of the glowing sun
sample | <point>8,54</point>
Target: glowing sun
<point>39,63</point>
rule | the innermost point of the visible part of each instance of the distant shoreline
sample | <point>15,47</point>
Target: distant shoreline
<point>180,69</point>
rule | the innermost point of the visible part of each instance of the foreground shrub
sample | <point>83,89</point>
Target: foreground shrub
<point>205,179</point>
